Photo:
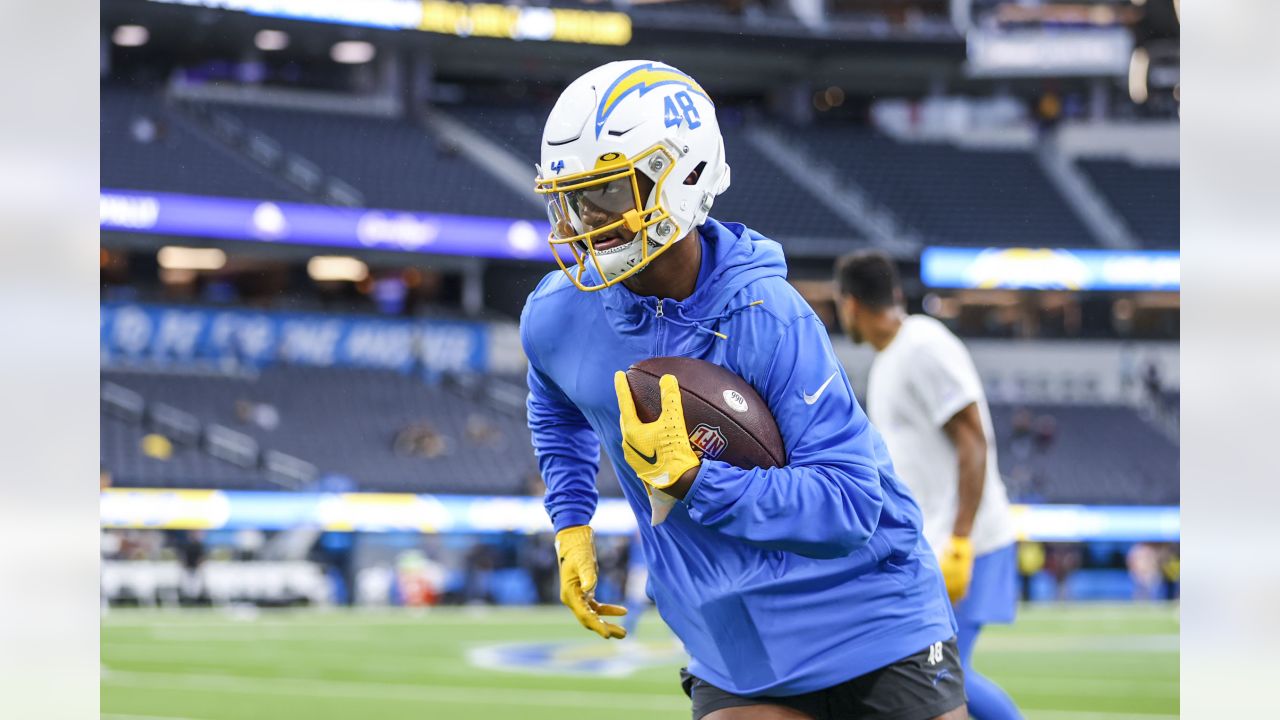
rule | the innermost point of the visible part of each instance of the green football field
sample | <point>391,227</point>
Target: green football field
<point>1091,662</point>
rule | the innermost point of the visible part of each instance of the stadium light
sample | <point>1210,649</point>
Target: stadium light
<point>130,36</point>
<point>1139,64</point>
<point>325,268</point>
<point>352,52</point>
<point>173,257</point>
<point>268,40</point>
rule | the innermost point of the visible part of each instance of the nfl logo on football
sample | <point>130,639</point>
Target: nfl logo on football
<point>709,440</point>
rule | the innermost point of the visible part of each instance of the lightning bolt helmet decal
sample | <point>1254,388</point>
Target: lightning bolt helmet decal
<point>642,78</point>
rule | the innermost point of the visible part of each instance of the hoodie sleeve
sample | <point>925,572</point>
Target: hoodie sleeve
<point>567,449</point>
<point>826,502</point>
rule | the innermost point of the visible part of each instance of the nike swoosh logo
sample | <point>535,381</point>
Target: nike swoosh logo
<point>811,399</point>
<point>620,133</point>
<point>651,459</point>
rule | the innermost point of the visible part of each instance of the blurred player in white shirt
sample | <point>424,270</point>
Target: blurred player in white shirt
<point>925,396</point>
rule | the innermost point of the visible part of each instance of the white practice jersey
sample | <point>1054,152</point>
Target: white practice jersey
<point>919,382</point>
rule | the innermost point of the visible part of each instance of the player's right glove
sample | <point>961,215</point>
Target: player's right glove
<point>956,563</point>
<point>659,451</point>
<point>576,551</point>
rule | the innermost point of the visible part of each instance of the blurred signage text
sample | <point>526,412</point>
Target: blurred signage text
<point>1050,269</point>
<point>132,332</point>
<point>1049,52</point>
<point>322,225</point>
<point>515,22</point>
<point>377,512</point>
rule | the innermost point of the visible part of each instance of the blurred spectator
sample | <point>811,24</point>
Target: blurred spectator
<point>1143,562</point>
<point>480,431</point>
<point>1151,381</point>
<point>1020,443</point>
<point>1046,427</point>
<point>481,560</point>
<point>1062,560</point>
<point>1030,561</point>
<point>612,556</point>
<point>104,478</point>
<point>1153,385</point>
<point>248,543</point>
<point>145,129</point>
<point>1019,480</point>
<point>421,439</point>
<point>110,544</point>
<point>419,579</point>
<point>191,554</point>
<point>1171,568</point>
<point>537,555</point>
<point>157,447</point>
<point>373,585</point>
<point>260,414</point>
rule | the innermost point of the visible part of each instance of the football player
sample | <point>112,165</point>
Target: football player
<point>925,396</point>
<point>804,591</point>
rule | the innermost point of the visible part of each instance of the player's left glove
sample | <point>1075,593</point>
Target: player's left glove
<point>659,451</point>
<point>956,563</point>
<point>576,551</point>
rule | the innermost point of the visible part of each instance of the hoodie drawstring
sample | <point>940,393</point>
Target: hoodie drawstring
<point>679,318</point>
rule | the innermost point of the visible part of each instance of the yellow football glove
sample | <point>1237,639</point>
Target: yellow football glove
<point>956,563</point>
<point>576,551</point>
<point>659,451</point>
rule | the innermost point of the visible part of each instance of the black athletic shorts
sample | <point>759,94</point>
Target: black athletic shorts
<point>919,687</point>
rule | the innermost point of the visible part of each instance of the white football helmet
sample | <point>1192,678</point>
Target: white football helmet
<point>614,132</point>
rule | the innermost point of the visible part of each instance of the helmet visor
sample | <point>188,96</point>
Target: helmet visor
<point>591,206</point>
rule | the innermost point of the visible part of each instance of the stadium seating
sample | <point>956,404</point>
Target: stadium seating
<point>144,148</point>
<point>950,195</point>
<point>1146,197</point>
<point>189,466</point>
<point>765,200</point>
<point>760,196</point>
<point>1097,454</point>
<point>517,128</point>
<point>928,186</point>
<point>345,422</point>
<point>393,163</point>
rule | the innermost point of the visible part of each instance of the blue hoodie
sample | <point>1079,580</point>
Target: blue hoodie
<point>778,581</point>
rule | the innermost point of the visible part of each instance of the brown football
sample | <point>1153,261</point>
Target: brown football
<point>727,420</point>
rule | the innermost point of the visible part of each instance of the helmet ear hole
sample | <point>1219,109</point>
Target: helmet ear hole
<point>692,178</point>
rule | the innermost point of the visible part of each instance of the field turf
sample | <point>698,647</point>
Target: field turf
<point>1085,662</point>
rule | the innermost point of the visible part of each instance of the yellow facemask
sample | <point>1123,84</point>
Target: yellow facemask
<point>609,189</point>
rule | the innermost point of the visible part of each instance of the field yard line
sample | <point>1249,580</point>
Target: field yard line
<point>1078,689</point>
<point>1084,715</point>
<point>1153,643</point>
<point>475,694</point>
<point>330,619</point>
<point>1102,610</point>
<point>1074,681</point>
<point>118,716</point>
